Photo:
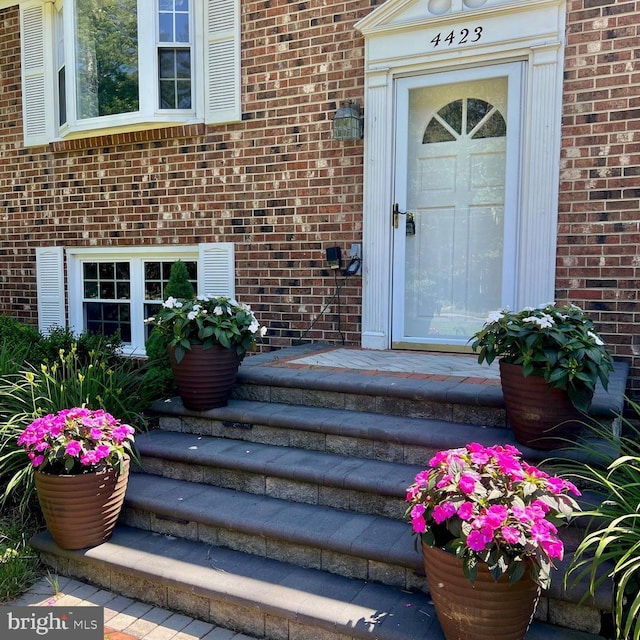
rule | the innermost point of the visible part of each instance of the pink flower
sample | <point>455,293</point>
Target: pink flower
<point>476,541</point>
<point>417,511</point>
<point>496,515</point>
<point>36,461</point>
<point>553,547</point>
<point>419,524</point>
<point>442,512</point>
<point>73,448</point>
<point>467,483</point>
<point>121,432</point>
<point>510,534</point>
<point>465,511</point>
<point>102,451</point>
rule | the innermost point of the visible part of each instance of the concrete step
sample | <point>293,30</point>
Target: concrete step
<point>300,475</point>
<point>257,596</point>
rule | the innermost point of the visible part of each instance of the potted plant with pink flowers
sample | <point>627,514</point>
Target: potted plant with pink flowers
<point>81,463</point>
<point>487,521</point>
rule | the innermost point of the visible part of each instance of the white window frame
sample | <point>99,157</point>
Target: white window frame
<point>215,278</point>
<point>216,80</point>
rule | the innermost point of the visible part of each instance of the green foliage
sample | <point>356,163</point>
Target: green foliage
<point>610,549</point>
<point>18,563</point>
<point>158,377</point>
<point>208,322</point>
<point>97,380</point>
<point>557,343</point>
<point>179,285</point>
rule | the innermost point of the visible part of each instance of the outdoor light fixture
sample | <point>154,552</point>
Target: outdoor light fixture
<point>347,123</point>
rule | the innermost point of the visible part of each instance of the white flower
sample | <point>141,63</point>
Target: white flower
<point>545,322</point>
<point>192,315</point>
<point>150,319</point>
<point>254,326</point>
<point>494,316</point>
<point>263,331</point>
<point>218,310</point>
<point>596,338</point>
<point>202,298</point>
<point>172,303</point>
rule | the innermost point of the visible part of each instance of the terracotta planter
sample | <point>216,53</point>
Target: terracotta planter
<point>82,510</point>
<point>540,416</point>
<point>486,610</point>
<point>205,377</point>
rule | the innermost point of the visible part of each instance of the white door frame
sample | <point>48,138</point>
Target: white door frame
<point>400,40</point>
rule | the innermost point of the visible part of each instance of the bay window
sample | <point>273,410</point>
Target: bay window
<point>122,65</point>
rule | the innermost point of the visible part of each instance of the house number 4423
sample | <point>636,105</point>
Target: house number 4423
<point>462,36</point>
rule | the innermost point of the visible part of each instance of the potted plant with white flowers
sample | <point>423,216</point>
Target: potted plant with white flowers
<point>551,359</point>
<point>207,340</point>
<point>487,522</point>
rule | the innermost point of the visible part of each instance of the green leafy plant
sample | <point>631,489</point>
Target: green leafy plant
<point>557,343</point>
<point>610,549</point>
<point>489,506</point>
<point>208,322</point>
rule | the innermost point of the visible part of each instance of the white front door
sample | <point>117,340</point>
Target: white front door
<point>456,194</point>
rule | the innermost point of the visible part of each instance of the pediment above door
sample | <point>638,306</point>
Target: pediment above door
<point>403,13</point>
<point>430,31</point>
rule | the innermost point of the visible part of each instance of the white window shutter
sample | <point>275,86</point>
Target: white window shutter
<point>216,269</point>
<point>37,115</point>
<point>50,287</point>
<point>222,61</point>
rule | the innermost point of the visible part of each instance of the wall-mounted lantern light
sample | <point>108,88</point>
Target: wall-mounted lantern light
<point>347,123</point>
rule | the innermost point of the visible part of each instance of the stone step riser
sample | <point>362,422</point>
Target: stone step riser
<point>427,408</point>
<point>404,453</point>
<point>283,488</point>
<point>224,613</point>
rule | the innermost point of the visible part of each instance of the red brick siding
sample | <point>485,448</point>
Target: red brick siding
<point>599,226</point>
<point>282,190</point>
<point>276,184</point>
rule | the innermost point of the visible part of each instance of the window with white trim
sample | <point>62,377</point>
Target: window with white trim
<point>122,65</point>
<point>114,289</point>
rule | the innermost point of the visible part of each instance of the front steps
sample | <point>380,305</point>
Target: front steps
<point>281,514</point>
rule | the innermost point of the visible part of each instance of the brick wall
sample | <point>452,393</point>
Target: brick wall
<point>276,185</point>
<point>282,190</point>
<point>598,264</point>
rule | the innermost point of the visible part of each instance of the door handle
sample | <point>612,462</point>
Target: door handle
<point>396,215</point>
